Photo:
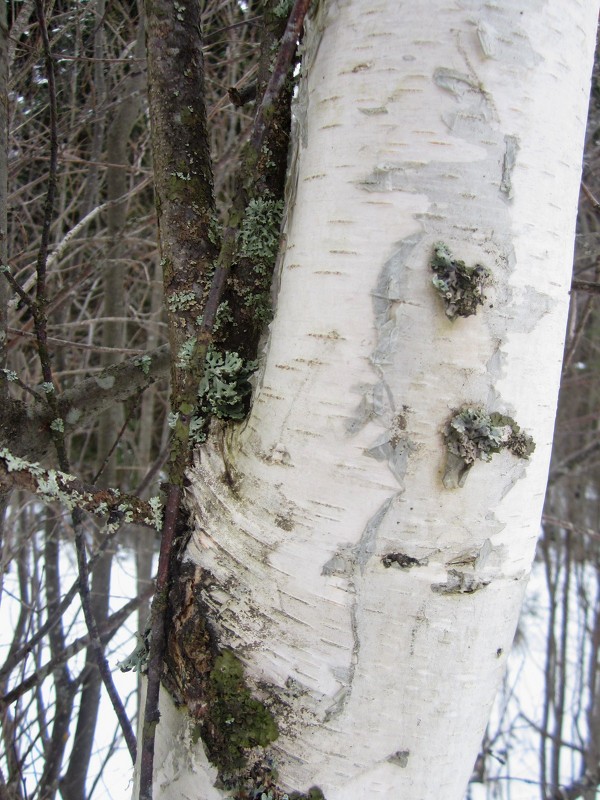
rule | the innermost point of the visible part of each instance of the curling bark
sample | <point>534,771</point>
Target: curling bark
<point>372,607</point>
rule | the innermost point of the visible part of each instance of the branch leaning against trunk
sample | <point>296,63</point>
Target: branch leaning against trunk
<point>189,253</point>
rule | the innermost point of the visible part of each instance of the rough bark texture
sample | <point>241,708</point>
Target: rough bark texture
<point>188,229</point>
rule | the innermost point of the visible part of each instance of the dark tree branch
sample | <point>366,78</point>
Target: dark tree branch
<point>55,486</point>
<point>585,286</point>
<point>40,320</point>
<point>25,430</point>
<point>285,55</point>
<point>157,643</point>
<point>106,632</point>
<point>95,640</point>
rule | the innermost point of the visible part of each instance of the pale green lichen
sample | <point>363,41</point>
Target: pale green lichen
<point>472,434</point>
<point>58,425</point>
<point>156,505</point>
<point>197,430</point>
<point>224,385</point>
<point>138,660</point>
<point>48,485</point>
<point>16,464</point>
<point>126,511</point>
<point>186,353</point>
<point>105,381</point>
<point>460,287</point>
<point>259,235</point>
<point>73,416</point>
<point>258,244</point>
<point>283,8</point>
<point>143,362</point>
<point>181,301</point>
<point>10,375</point>
<point>47,387</point>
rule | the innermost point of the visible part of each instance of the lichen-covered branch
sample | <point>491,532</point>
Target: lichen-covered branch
<point>200,263</point>
<point>25,428</point>
<point>55,486</point>
<point>188,231</point>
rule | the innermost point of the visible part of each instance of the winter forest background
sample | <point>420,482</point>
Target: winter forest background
<point>86,131</point>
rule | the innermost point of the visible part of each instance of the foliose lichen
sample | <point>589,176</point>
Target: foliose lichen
<point>259,235</point>
<point>460,287</point>
<point>283,8</point>
<point>258,246</point>
<point>225,385</point>
<point>137,661</point>
<point>473,434</point>
<point>143,362</point>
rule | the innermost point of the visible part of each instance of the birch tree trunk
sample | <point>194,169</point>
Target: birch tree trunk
<point>369,584</point>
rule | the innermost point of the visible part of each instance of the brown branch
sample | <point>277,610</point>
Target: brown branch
<point>285,55</point>
<point>53,166</point>
<point>585,286</point>
<point>594,203</point>
<point>25,430</point>
<point>56,486</point>
<point>157,643</point>
<point>106,632</point>
<point>96,644</point>
<point>40,319</point>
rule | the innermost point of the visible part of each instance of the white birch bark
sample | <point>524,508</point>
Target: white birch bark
<point>449,120</point>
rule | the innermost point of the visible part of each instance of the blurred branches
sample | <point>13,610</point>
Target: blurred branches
<point>85,365</point>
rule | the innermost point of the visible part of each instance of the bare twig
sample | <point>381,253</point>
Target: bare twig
<point>157,643</point>
<point>106,631</point>
<point>94,634</point>
<point>585,286</point>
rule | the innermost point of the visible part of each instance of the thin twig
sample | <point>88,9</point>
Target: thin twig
<point>75,230</point>
<point>585,286</point>
<point>106,631</point>
<point>40,319</point>
<point>157,643</point>
<point>287,49</point>
<point>79,345</point>
<point>94,634</point>
<point>595,203</point>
